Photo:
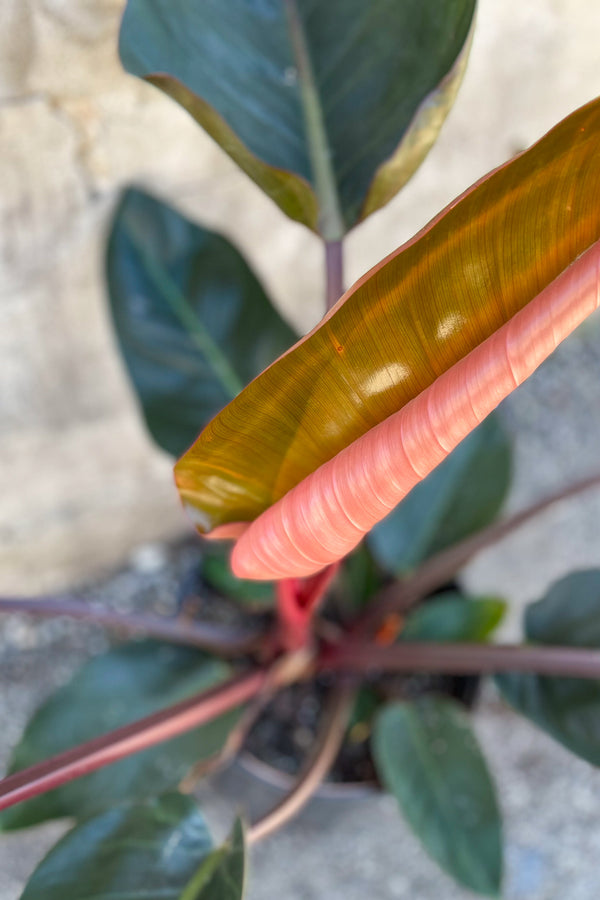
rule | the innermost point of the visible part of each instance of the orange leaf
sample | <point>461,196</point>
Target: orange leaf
<point>406,364</point>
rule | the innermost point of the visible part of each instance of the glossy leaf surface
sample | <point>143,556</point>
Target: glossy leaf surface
<point>463,495</point>
<point>114,689</point>
<point>193,322</point>
<point>568,709</point>
<point>329,107</point>
<point>147,851</point>
<point>428,757</point>
<point>222,875</point>
<point>432,321</point>
<point>454,617</point>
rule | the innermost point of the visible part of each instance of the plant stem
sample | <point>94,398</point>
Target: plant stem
<point>122,742</point>
<point>441,568</point>
<point>233,745</point>
<point>287,669</point>
<point>214,638</point>
<point>323,755</point>
<point>463,659</point>
<point>334,271</point>
<point>297,602</point>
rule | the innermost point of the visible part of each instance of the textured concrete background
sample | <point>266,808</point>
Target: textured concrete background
<point>79,481</point>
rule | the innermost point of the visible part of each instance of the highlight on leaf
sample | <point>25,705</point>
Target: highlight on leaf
<point>324,443</point>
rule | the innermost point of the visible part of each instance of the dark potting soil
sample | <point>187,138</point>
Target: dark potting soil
<point>284,733</point>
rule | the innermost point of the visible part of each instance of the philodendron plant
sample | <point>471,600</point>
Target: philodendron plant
<point>355,469</point>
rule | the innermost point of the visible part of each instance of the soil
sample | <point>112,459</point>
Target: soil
<point>286,730</point>
<point>284,733</point>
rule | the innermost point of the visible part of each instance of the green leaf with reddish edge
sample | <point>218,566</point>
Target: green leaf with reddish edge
<point>463,495</point>
<point>193,322</point>
<point>403,325</point>
<point>568,709</point>
<point>222,876</point>
<point>113,689</point>
<point>453,617</point>
<point>328,107</point>
<point>428,757</point>
<point>147,851</point>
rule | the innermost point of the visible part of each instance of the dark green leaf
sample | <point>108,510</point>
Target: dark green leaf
<point>358,579</point>
<point>366,703</point>
<point>217,572</point>
<point>461,496</point>
<point>330,107</point>
<point>144,852</point>
<point>568,709</point>
<point>193,322</point>
<point>454,617</point>
<point>113,689</point>
<point>428,757</point>
<point>222,875</point>
<point>569,613</point>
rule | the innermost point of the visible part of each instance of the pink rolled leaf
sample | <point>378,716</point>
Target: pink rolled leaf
<point>326,515</point>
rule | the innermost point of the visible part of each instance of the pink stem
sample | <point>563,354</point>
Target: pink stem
<point>208,636</point>
<point>463,659</point>
<point>297,601</point>
<point>109,748</point>
<point>334,272</point>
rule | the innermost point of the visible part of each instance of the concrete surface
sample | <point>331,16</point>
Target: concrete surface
<point>80,483</point>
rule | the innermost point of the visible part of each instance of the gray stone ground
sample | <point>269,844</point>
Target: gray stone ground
<point>352,849</point>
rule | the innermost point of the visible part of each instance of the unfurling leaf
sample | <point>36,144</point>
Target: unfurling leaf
<point>333,435</point>
<point>461,496</point>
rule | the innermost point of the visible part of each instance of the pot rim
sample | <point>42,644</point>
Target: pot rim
<point>329,790</point>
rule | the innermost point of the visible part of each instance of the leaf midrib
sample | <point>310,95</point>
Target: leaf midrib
<point>459,840</point>
<point>198,333</point>
<point>331,222</point>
